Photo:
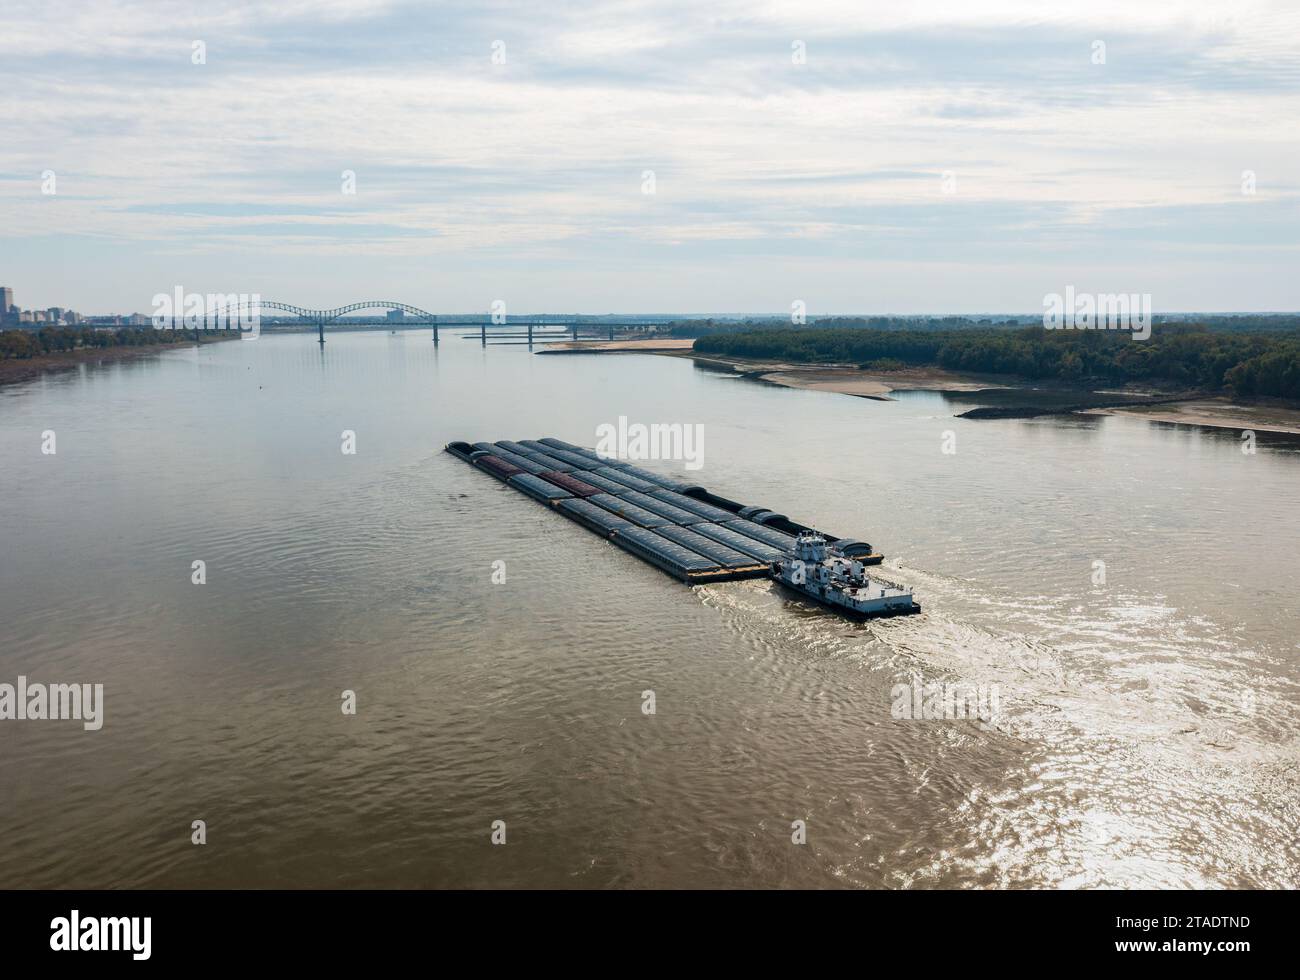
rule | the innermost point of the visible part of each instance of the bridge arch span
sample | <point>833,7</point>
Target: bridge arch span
<point>334,314</point>
<point>372,304</point>
<point>322,317</point>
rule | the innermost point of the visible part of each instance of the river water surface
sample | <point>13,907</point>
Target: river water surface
<point>1147,731</point>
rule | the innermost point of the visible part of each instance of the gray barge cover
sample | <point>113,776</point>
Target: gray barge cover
<point>603,482</point>
<point>668,555</point>
<point>655,478</point>
<point>726,534</point>
<point>523,462</point>
<point>598,519</point>
<point>777,539</point>
<point>631,512</point>
<point>573,459</point>
<point>694,506</point>
<point>555,443</point>
<point>657,506</point>
<point>569,447</point>
<point>628,480</point>
<point>550,462</point>
<point>514,447</point>
<point>538,488</point>
<point>720,553</point>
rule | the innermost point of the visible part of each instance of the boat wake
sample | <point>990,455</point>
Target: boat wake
<point>1120,728</point>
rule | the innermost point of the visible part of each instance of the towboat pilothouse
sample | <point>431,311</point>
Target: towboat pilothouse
<point>814,570</point>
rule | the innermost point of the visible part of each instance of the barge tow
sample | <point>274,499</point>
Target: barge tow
<point>688,532</point>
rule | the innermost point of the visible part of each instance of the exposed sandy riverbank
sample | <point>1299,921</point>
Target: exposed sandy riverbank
<point>843,379</point>
<point>846,379</point>
<point>866,384</point>
<point>648,346</point>
<point>1219,413</point>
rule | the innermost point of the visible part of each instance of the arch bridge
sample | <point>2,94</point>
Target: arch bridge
<point>415,316</point>
<point>323,318</point>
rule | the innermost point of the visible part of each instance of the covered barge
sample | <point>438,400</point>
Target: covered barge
<point>682,528</point>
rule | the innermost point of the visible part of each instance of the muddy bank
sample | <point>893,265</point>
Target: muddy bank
<point>845,379</point>
<point>1089,405</point>
<point>647,346</point>
<point>1218,413</point>
<point>866,384</point>
<point>18,370</point>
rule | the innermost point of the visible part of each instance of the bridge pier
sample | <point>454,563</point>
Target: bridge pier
<point>530,333</point>
<point>435,333</point>
<point>320,328</point>
<point>575,331</point>
<point>611,331</point>
<point>482,329</point>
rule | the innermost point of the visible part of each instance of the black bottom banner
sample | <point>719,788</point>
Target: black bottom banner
<point>143,929</point>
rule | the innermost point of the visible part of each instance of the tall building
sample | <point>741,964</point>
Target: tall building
<point>6,299</point>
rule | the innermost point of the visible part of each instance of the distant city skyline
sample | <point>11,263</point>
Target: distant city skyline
<point>858,157</point>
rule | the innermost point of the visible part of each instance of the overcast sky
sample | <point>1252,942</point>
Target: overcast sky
<point>774,181</point>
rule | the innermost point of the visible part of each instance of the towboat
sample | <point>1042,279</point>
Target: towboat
<point>815,570</point>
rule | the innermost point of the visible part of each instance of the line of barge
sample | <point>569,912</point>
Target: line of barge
<point>682,528</point>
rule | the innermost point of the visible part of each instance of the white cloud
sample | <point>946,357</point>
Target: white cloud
<point>543,155</point>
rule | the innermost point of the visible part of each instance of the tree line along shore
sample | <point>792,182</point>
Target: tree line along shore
<point>24,344</point>
<point>1191,356</point>
<point>27,354</point>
